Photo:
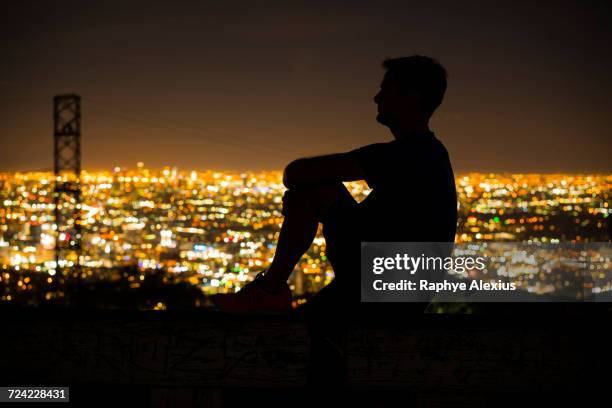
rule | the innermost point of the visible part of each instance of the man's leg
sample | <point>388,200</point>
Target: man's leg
<point>303,210</point>
<point>342,230</point>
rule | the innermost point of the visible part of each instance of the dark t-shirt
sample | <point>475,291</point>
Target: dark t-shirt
<point>413,196</point>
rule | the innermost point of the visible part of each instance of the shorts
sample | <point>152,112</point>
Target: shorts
<point>344,228</point>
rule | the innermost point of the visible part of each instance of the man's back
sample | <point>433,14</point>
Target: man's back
<point>413,196</point>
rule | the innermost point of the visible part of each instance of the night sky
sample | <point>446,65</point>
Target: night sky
<point>252,85</point>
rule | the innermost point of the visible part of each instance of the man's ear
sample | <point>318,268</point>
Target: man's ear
<point>415,102</point>
<point>414,98</point>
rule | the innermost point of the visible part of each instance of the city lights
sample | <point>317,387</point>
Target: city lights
<point>215,230</point>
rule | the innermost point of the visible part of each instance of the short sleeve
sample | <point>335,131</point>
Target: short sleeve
<point>377,161</point>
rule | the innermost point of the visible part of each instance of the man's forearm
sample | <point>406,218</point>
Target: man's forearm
<point>314,171</point>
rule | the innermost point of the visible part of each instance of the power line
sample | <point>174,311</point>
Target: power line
<point>153,121</point>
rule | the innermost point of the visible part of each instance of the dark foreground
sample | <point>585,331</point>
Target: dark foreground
<point>516,354</point>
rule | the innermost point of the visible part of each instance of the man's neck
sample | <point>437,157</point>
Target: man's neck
<point>409,130</point>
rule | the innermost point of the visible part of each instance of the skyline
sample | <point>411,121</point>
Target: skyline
<point>213,231</point>
<point>214,86</point>
<point>130,168</point>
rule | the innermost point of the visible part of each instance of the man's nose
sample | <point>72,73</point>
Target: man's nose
<point>377,98</point>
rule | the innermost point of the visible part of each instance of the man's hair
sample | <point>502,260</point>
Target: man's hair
<point>419,74</point>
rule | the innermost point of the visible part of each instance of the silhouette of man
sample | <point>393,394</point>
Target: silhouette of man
<point>413,197</point>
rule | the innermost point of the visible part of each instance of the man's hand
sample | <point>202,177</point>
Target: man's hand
<point>337,167</point>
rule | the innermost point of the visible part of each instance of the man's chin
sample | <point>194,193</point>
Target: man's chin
<point>380,118</point>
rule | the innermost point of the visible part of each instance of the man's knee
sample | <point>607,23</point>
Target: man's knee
<point>316,200</point>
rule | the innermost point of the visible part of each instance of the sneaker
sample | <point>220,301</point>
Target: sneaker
<point>252,298</point>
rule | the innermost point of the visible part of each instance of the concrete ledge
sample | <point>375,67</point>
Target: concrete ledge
<point>208,351</point>
<point>167,348</point>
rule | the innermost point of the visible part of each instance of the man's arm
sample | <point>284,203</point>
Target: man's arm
<point>336,167</point>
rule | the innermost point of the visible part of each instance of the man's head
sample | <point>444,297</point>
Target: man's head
<point>411,90</point>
